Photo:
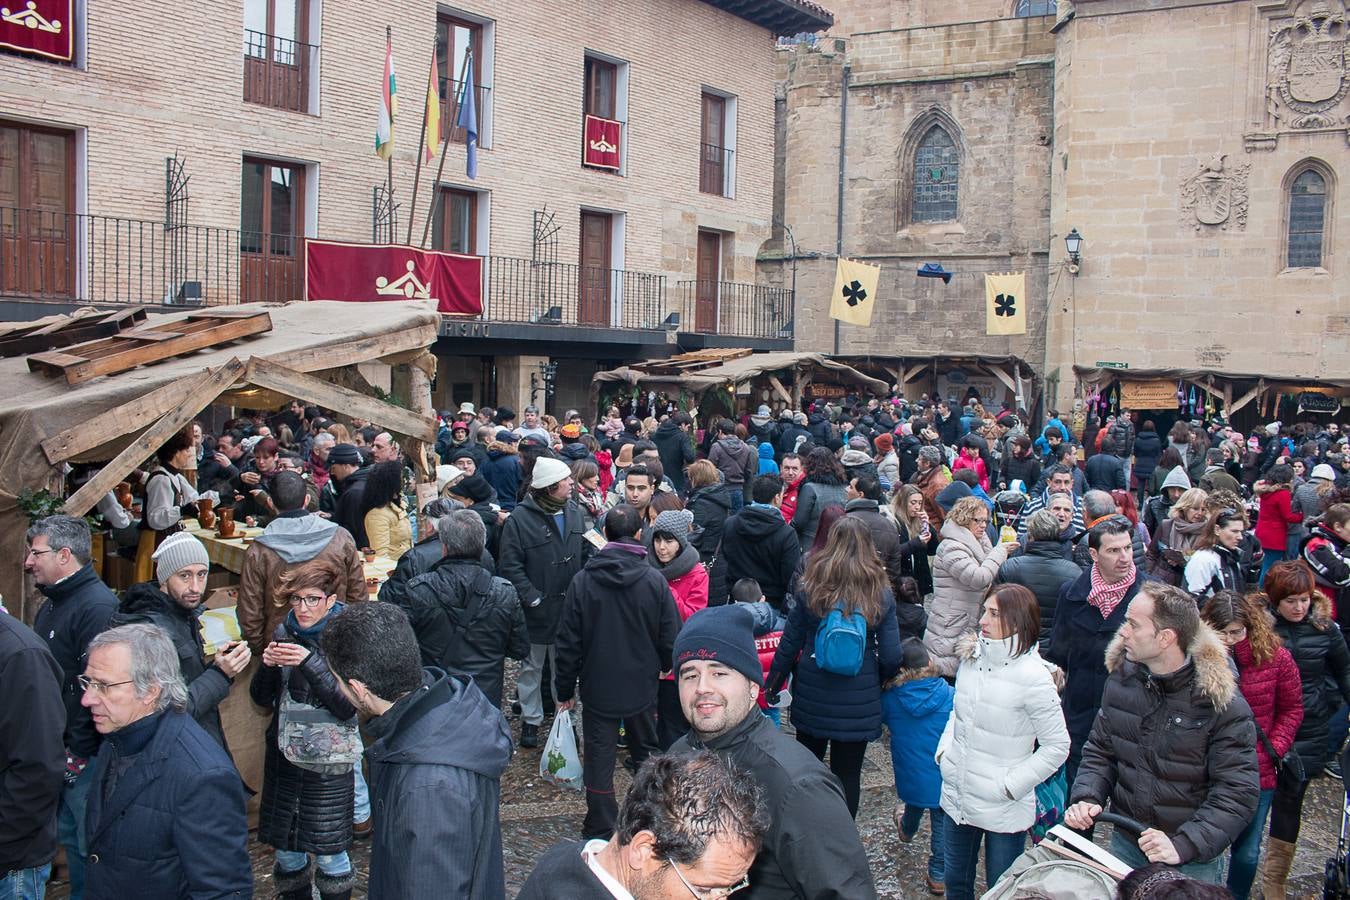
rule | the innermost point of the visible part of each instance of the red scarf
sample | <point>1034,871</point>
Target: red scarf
<point>1106,597</point>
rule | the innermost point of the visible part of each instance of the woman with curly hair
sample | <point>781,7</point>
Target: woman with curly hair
<point>1269,680</point>
<point>386,521</point>
<point>822,484</point>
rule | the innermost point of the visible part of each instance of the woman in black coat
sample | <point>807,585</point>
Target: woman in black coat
<point>1148,450</point>
<point>710,502</point>
<point>304,811</point>
<point>911,521</point>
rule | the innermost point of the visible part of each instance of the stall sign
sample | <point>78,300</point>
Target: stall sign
<point>824,391</point>
<point>1313,402</point>
<point>1159,394</point>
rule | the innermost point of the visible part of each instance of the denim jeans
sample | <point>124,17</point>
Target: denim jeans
<point>1126,849</point>
<point>361,808</point>
<point>25,884</point>
<point>1269,558</point>
<point>70,827</point>
<point>737,493</point>
<point>1246,850</point>
<point>1336,730</point>
<point>295,860</point>
<point>937,821</point>
<point>961,852</point>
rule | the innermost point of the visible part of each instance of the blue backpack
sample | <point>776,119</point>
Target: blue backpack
<point>841,642</point>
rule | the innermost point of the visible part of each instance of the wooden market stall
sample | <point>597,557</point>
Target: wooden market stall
<point>994,380</point>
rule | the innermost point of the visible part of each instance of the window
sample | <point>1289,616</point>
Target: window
<point>604,109</point>
<point>716,144</point>
<point>937,165</point>
<point>601,88</point>
<point>278,64</point>
<point>1307,220</point>
<point>37,205</point>
<point>455,225</point>
<point>456,38</point>
<point>1028,8</point>
<point>271,224</point>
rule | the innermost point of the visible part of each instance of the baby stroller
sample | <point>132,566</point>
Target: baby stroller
<point>1066,866</point>
<point>1336,885</point>
<point>1008,508</point>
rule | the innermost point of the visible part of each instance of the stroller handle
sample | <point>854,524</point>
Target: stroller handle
<point>1123,822</point>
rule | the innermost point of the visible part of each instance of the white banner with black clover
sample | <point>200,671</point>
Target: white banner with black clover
<point>1005,303</point>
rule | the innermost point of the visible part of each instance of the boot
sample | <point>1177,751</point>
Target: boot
<point>293,885</point>
<point>335,887</point>
<point>529,735</point>
<point>1279,857</point>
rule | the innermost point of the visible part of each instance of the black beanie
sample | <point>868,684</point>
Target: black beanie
<point>724,634</point>
<point>475,487</point>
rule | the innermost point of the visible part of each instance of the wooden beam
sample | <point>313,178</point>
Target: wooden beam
<point>782,391</point>
<point>1207,388</point>
<point>275,377</point>
<point>914,372</point>
<point>205,389</point>
<point>1246,398</point>
<point>1002,376</point>
<point>364,349</point>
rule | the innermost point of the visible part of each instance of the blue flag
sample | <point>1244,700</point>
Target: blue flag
<point>468,120</point>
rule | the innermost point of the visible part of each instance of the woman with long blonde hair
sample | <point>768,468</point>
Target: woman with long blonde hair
<point>830,709</point>
<point>918,539</point>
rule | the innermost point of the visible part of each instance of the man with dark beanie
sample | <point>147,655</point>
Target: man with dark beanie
<point>812,847</point>
<point>618,626</point>
<point>476,494</point>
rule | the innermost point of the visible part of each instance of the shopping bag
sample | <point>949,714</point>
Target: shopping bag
<point>560,763</point>
<point>1051,801</point>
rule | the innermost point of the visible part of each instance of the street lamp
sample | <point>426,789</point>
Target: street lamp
<point>1073,242</point>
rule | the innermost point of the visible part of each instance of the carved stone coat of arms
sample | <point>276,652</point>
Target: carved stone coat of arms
<point>1215,194</point>
<point>1307,77</point>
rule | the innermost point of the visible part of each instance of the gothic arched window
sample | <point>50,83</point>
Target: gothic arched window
<point>937,170</point>
<point>1307,220</point>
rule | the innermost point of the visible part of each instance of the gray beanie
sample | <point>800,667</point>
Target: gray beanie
<point>930,453</point>
<point>676,523</point>
<point>179,551</point>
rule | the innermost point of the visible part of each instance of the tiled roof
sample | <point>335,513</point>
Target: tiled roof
<point>780,16</point>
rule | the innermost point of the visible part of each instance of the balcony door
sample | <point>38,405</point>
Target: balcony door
<point>593,279</point>
<point>712,175</point>
<point>276,55</point>
<point>37,222</point>
<point>271,229</point>
<point>709,265</point>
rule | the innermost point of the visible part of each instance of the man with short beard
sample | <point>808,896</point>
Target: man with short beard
<point>175,605</point>
<point>811,848</point>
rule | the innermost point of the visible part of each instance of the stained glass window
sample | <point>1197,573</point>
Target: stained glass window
<point>937,168</point>
<point>1307,215</point>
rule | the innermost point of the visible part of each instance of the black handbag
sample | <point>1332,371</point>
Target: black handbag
<point>1290,765</point>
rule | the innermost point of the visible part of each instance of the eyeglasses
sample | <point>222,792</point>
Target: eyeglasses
<point>308,602</point>
<point>32,552</point>
<point>711,893</point>
<point>1235,633</point>
<point>98,687</point>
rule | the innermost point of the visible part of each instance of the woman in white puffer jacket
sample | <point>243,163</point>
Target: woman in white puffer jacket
<point>1005,736</point>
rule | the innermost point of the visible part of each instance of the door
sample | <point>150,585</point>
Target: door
<point>594,275</point>
<point>454,228</point>
<point>706,288</point>
<point>276,57</point>
<point>271,227</point>
<point>37,222</point>
<point>712,176</point>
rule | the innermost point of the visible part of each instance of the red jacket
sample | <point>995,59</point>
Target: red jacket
<point>604,460</point>
<point>1274,691</point>
<point>691,591</point>
<point>766,646</point>
<point>1277,514</point>
<point>977,464</point>
<point>789,505</point>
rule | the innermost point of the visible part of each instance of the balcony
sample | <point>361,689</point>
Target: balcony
<point>277,71</point>
<point>74,258</point>
<point>715,170</point>
<point>526,291</point>
<point>451,92</point>
<point>728,313</point>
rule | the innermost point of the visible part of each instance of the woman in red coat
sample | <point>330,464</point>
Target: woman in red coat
<point>1277,516</point>
<point>1269,680</point>
<point>671,554</point>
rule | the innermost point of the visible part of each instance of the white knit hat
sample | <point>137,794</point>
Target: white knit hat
<point>1322,470</point>
<point>548,472</point>
<point>179,551</point>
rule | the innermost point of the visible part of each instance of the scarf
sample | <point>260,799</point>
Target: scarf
<point>548,504</point>
<point>1107,596</point>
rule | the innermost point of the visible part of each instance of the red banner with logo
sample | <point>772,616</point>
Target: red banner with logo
<point>364,273</point>
<point>603,141</point>
<point>40,27</point>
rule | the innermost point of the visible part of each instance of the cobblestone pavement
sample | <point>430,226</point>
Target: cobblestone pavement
<point>536,815</point>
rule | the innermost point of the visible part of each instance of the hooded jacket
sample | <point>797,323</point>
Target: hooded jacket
<point>207,685</point>
<point>963,570</point>
<point>288,540</point>
<point>1148,450</point>
<point>617,632</point>
<point>467,621</point>
<point>1006,735</point>
<point>77,609</point>
<point>685,574</point>
<point>758,544</point>
<point>1042,569</point>
<point>735,460</point>
<point>812,848</point>
<point>539,560</point>
<point>435,781</point>
<point>502,471</point>
<point>1323,661</point>
<point>812,498</point>
<point>915,707</point>
<point>1176,751</point>
<point>675,450</point>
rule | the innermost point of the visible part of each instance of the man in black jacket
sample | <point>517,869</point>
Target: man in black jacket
<point>864,502</point>
<point>32,758</point>
<point>618,626</point>
<point>812,847</point>
<point>735,460</point>
<point>688,827</point>
<point>675,446</point>
<point>543,545</point>
<point>78,607</point>
<point>465,619</point>
<point>1174,745</point>
<point>436,761</point>
<point>1105,471</point>
<point>175,605</point>
<point>347,472</point>
<point>758,544</point>
<point>1042,567</point>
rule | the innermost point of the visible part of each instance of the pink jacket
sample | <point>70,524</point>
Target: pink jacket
<point>981,470</point>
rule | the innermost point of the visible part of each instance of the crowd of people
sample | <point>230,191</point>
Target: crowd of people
<point>1047,625</point>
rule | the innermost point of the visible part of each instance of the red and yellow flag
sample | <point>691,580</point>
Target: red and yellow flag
<point>431,140</point>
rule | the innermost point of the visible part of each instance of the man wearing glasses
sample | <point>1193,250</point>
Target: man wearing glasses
<point>175,604</point>
<point>166,809</point>
<point>689,829</point>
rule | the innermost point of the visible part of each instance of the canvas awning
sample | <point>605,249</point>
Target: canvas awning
<point>699,374</point>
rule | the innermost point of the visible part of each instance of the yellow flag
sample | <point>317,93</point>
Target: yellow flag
<point>1005,303</point>
<point>431,139</point>
<point>855,292</point>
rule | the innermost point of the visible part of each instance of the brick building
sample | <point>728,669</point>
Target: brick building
<point>185,151</point>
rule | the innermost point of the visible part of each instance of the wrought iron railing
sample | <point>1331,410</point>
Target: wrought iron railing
<point>107,259</point>
<point>451,97</point>
<point>714,170</point>
<point>522,290</point>
<point>277,71</point>
<point>735,309</point>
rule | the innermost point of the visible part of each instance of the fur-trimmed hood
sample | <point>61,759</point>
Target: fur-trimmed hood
<point>1208,656</point>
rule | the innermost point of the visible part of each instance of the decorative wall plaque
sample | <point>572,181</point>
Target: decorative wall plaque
<point>1306,79</point>
<point>1215,195</point>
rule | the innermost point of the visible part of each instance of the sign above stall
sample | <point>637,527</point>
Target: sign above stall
<point>824,391</point>
<point>1157,394</point>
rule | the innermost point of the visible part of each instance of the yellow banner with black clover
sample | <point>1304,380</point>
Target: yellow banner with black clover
<point>855,292</point>
<point>1005,303</point>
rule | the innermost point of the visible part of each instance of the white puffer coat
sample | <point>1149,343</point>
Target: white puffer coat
<point>963,570</point>
<point>1006,735</point>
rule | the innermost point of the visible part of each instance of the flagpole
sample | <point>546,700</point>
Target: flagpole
<point>445,145</point>
<point>389,182</point>
<point>421,145</point>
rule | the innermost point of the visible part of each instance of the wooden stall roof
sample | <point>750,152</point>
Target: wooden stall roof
<point>707,369</point>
